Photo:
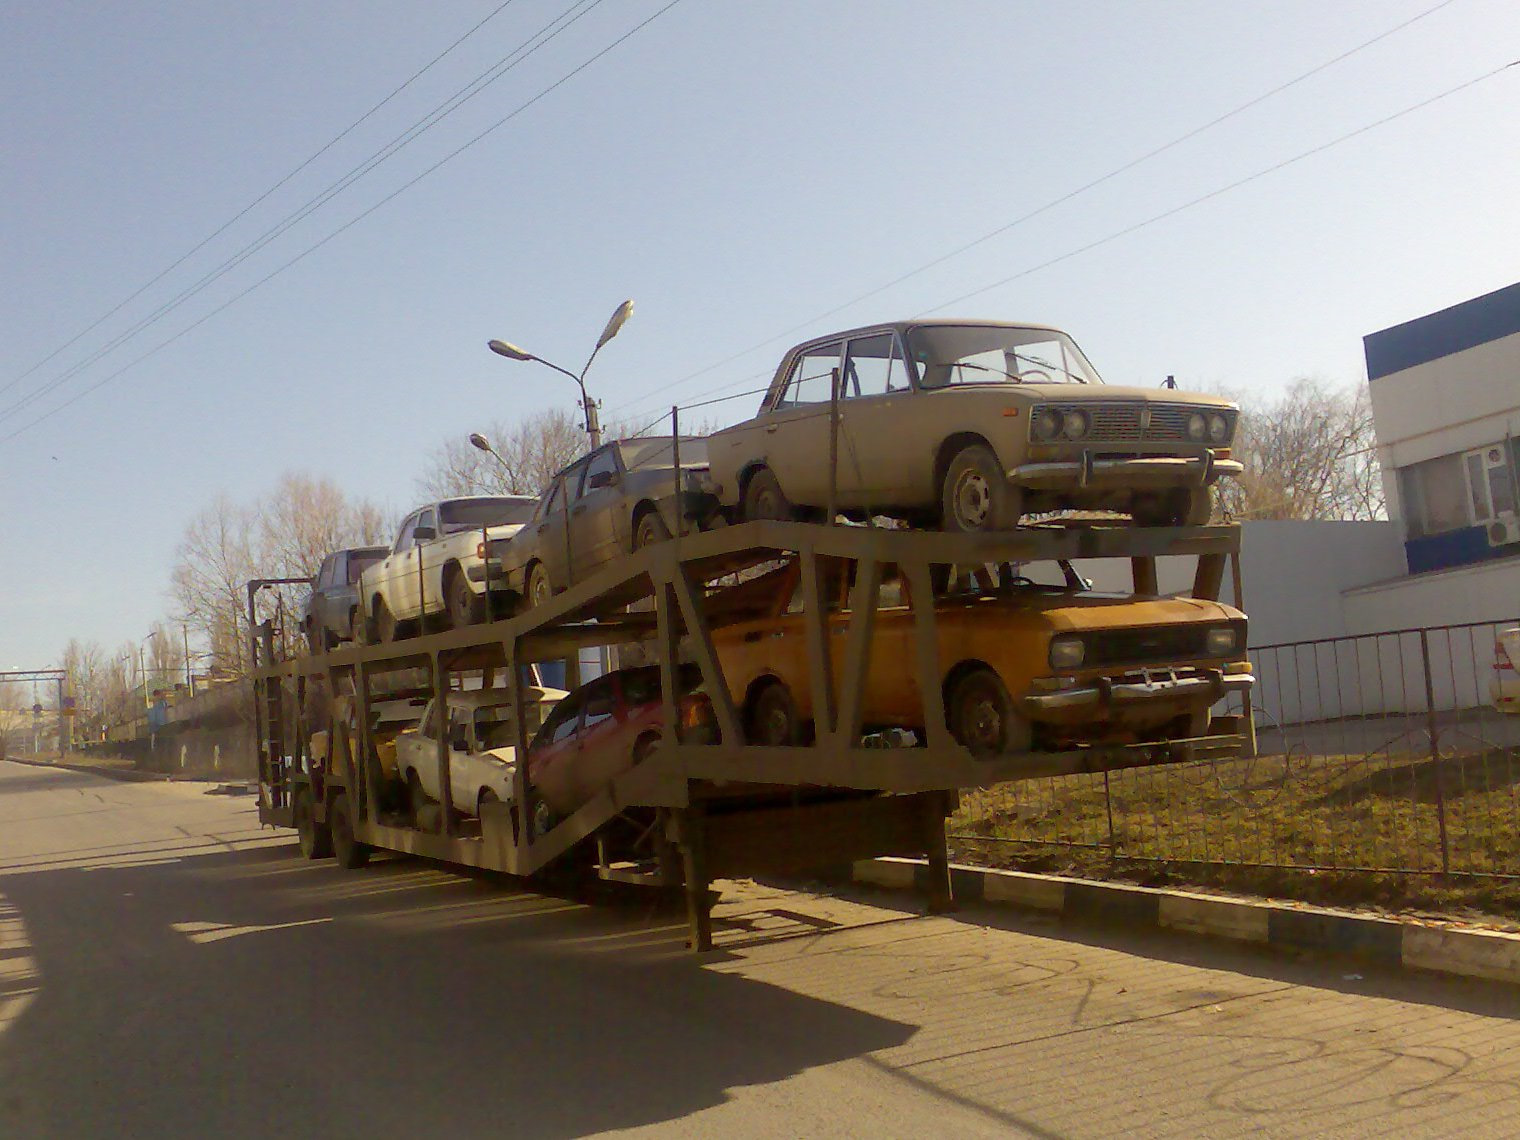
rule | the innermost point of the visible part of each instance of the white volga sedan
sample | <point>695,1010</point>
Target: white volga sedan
<point>481,736</point>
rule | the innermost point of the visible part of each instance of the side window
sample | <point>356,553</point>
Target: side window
<point>601,702</point>
<point>429,725</point>
<point>874,367</point>
<point>602,463</point>
<point>562,722</point>
<point>325,575</point>
<point>551,500</point>
<point>429,518</point>
<point>404,539</point>
<point>573,483</point>
<point>811,377</point>
<point>641,687</point>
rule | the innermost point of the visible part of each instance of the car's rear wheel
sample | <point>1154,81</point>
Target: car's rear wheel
<point>982,717</point>
<point>773,719</point>
<point>417,800</point>
<point>463,606</point>
<point>351,854</point>
<point>644,745</point>
<point>387,628</point>
<point>358,628</point>
<point>487,796</point>
<point>313,638</point>
<point>764,498</point>
<point>649,530</point>
<point>976,495</point>
<point>315,839</point>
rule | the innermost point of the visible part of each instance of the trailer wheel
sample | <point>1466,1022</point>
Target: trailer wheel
<point>982,716</point>
<point>773,717</point>
<point>315,839</point>
<point>976,495</point>
<point>351,854</point>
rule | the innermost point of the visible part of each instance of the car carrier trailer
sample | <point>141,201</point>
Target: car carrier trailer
<point>690,813</point>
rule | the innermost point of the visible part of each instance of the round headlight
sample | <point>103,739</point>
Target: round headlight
<point>1047,424</point>
<point>1197,427</point>
<point>1066,652</point>
<point>1074,424</point>
<point>1219,428</point>
<point>1221,641</point>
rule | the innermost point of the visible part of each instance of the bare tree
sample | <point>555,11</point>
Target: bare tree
<point>528,455</point>
<point>1309,454</point>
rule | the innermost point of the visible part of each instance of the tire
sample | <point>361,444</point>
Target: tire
<point>313,639</point>
<point>772,717</point>
<point>649,529</point>
<point>330,640</point>
<point>350,853</point>
<point>764,498</point>
<point>358,628</point>
<point>314,839</point>
<point>982,716</point>
<point>387,628</point>
<point>537,590</point>
<point>1182,506</point>
<point>417,800</point>
<point>486,796</point>
<point>976,495</point>
<point>544,819</point>
<point>461,604</point>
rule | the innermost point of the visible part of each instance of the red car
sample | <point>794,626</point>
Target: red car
<point>606,727</point>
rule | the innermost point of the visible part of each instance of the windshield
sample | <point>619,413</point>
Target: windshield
<point>983,354</point>
<point>656,452</point>
<point>468,514</point>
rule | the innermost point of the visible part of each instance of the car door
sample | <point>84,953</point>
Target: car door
<point>796,427</point>
<point>553,527</point>
<point>317,609</point>
<point>392,571</point>
<point>878,451</point>
<point>417,750</point>
<point>411,572</point>
<point>599,755</point>
<point>551,756</point>
<point>593,539</point>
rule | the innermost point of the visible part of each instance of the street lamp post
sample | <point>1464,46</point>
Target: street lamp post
<point>593,423</point>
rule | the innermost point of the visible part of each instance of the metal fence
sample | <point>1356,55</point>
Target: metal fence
<point>1374,753</point>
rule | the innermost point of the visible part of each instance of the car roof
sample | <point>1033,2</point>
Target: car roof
<point>904,326</point>
<point>482,698</point>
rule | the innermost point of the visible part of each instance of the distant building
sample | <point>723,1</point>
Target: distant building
<point>1446,407</point>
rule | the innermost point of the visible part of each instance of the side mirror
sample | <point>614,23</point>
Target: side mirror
<point>602,479</point>
<point>424,534</point>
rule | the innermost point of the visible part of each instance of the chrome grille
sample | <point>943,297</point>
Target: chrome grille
<point>1120,422</point>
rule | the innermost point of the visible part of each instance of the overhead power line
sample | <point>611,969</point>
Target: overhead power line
<point>522,52</point>
<point>1202,198</point>
<point>1057,201</point>
<point>230,222</point>
<point>503,121</point>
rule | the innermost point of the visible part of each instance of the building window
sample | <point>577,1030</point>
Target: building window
<point>1435,496</point>
<point>1491,481</point>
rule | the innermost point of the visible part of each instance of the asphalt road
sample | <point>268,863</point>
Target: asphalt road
<point>167,970</point>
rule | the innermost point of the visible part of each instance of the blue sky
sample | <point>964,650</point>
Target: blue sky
<point>739,170</point>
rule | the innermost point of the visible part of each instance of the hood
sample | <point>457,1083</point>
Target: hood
<point>1061,610</point>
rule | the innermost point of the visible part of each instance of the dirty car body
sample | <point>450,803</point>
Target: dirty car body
<point>970,425</point>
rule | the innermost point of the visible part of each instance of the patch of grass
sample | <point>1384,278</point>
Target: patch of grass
<point>1330,829</point>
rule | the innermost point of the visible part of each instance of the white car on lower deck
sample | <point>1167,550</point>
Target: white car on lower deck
<point>481,740</point>
<point>435,572</point>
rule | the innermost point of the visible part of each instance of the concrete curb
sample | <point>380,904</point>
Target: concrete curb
<point>128,774</point>
<point>1490,954</point>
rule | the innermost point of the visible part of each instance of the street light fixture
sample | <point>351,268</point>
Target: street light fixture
<point>593,424</point>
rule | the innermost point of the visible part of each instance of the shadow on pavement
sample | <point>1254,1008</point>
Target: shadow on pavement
<point>253,994</point>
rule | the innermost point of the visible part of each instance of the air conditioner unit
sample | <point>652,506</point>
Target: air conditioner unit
<point>1504,531</point>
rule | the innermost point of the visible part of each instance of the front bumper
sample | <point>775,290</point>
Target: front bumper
<point>1143,471</point>
<point>1155,687</point>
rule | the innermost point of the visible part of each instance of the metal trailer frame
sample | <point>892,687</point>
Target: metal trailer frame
<point>895,800</point>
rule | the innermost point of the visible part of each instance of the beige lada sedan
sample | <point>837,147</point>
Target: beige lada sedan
<point>968,425</point>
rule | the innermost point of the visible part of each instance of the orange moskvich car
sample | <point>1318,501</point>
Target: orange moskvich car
<point>1024,666</point>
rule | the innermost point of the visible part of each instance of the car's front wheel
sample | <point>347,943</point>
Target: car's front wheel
<point>982,717</point>
<point>463,606</point>
<point>650,529</point>
<point>976,496</point>
<point>773,719</point>
<point>537,591</point>
<point>764,498</point>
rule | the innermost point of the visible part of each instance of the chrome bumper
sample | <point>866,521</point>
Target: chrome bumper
<point>1107,694</point>
<point>1142,471</point>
